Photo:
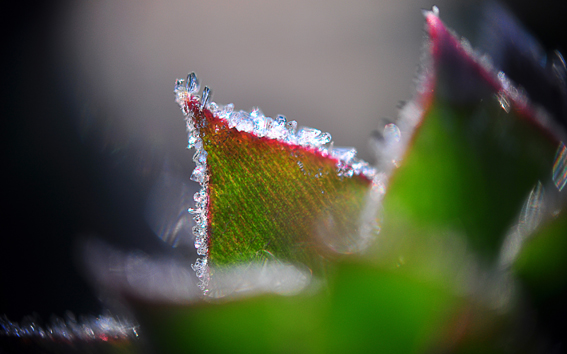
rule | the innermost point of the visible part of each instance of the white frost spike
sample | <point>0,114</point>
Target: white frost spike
<point>192,83</point>
<point>200,157</point>
<point>245,124</point>
<point>191,141</point>
<point>434,11</point>
<point>290,127</point>
<point>226,111</point>
<point>256,112</point>
<point>306,135</point>
<point>233,119</point>
<point>345,154</point>
<point>260,128</point>
<point>194,210</point>
<point>312,137</point>
<point>214,108</point>
<point>179,85</point>
<point>322,139</point>
<point>278,130</point>
<point>199,174</point>
<point>206,98</point>
<point>259,122</point>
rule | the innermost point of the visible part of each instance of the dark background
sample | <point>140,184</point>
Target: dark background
<point>89,123</point>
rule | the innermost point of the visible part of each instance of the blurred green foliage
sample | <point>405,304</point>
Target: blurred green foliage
<point>433,282</point>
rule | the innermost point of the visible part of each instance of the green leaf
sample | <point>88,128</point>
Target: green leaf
<point>473,159</point>
<point>269,192</point>
<point>542,263</point>
<point>365,309</point>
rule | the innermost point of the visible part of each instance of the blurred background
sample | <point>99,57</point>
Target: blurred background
<point>93,144</point>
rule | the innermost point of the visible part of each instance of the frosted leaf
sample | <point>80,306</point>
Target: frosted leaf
<point>560,167</point>
<point>260,126</point>
<point>192,83</point>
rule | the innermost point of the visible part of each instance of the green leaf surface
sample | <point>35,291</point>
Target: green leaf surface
<point>365,309</point>
<point>542,263</point>
<point>268,196</point>
<point>472,160</point>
